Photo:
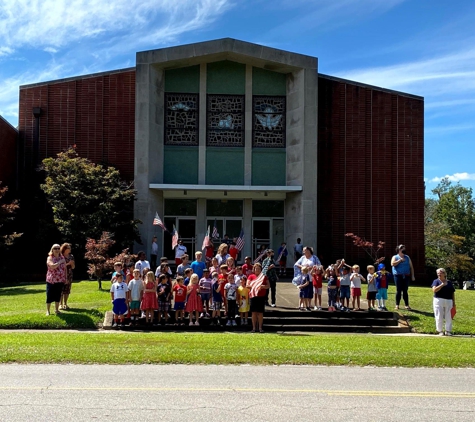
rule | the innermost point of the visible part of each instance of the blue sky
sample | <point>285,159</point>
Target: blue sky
<point>424,47</point>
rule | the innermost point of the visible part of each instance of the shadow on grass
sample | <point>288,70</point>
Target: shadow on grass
<point>428,314</point>
<point>15,291</point>
<point>81,318</point>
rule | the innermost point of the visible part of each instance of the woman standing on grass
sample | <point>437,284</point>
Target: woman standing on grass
<point>444,301</point>
<point>258,285</point>
<point>402,272</point>
<point>70,265</point>
<point>55,278</point>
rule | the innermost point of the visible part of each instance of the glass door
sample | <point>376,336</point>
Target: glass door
<point>186,228</point>
<point>260,236</point>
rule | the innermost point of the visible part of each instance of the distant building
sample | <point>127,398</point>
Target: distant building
<point>250,137</point>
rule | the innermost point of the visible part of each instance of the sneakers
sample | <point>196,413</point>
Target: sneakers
<point>448,333</point>
<point>228,324</point>
<point>114,325</point>
<point>191,324</point>
<point>319,308</point>
<point>315,308</point>
<point>197,323</point>
<point>273,305</point>
<point>207,315</point>
<point>234,323</point>
<point>441,333</point>
<point>301,309</point>
<point>309,309</point>
<point>202,315</point>
<point>331,309</point>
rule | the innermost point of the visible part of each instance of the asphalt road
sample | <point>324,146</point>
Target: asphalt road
<point>234,393</point>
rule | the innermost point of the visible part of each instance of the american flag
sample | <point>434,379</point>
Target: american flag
<point>281,253</point>
<point>158,222</point>
<point>174,238</point>
<point>259,257</point>
<point>205,240</point>
<point>215,234</point>
<point>240,241</point>
<point>256,284</point>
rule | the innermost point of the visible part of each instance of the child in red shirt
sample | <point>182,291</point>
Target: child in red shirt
<point>317,281</point>
<point>179,291</point>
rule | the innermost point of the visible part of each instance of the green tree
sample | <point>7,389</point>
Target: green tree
<point>7,211</point>
<point>87,199</point>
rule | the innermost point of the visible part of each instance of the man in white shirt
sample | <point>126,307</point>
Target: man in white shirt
<point>180,250</point>
<point>142,262</point>
<point>154,254</point>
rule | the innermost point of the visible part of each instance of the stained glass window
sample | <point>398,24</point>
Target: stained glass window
<point>181,119</point>
<point>225,120</point>
<point>268,114</point>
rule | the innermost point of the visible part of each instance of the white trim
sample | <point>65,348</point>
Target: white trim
<point>229,188</point>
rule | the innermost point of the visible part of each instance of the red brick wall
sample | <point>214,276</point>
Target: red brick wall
<point>8,156</point>
<point>371,171</point>
<point>95,113</point>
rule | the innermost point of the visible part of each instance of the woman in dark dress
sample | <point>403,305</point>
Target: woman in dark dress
<point>70,265</point>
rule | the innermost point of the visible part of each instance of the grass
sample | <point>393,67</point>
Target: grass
<point>23,306</point>
<point>228,348</point>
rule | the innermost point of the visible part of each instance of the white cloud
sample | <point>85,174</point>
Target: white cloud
<point>5,51</point>
<point>51,50</point>
<point>456,177</point>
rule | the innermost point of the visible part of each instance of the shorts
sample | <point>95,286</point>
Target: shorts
<point>53,292</point>
<point>205,296</point>
<point>178,261</point>
<point>179,306</point>
<point>216,306</point>
<point>344,292</point>
<point>163,306</point>
<point>356,291</point>
<point>119,307</point>
<point>382,294</point>
<point>317,290</point>
<point>283,261</point>
<point>371,295</point>
<point>135,304</point>
<point>258,304</point>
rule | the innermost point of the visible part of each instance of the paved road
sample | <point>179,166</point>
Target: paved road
<point>234,393</point>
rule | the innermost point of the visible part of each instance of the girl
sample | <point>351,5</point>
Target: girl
<point>306,290</point>
<point>356,279</point>
<point>231,266</point>
<point>243,300</point>
<point>214,266</point>
<point>317,281</point>
<point>193,303</point>
<point>149,300</point>
<point>332,288</point>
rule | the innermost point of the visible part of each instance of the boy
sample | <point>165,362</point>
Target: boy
<point>230,290</point>
<point>188,273</point>
<point>119,300</point>
<point>223,277</point>
<point>345,283</point>
<point>217,299</point>
<point>305,289</point>
<point>372,290</point>
<point>282,255</point>
<point>197,265</point>
<point>136,288</point>
<point>238,277</point>
<point>205,291</point>
<point>179,290</point>
<point>163,296</point>
<point>243,300</point>
<point>233,251</point>
<point>117,270</point>
<point>180,270</point>
<point>247,267</point>
<point>382,286</point>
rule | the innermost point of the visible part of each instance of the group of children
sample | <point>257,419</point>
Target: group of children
<point>195,290</point>
<point>341,286</point>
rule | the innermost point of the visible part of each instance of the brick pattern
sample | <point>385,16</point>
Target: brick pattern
<point>370,172</point>
<point>8,147</point>
<point>97,114</point>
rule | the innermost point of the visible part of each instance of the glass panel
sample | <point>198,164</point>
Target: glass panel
<point>268,208</point>
<point>185,207</point>
<point>223,208</point>
<point>167,237</point>
<point>268,129</point>
<point>225,120</point>
<point>219,226</point>
<point>187,231</point>
<point>260,236</point>
<point>181,119</point>
<point>233,228</point>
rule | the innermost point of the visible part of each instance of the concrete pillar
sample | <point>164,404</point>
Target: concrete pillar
<point>248,128</point>
<point>202,127</point>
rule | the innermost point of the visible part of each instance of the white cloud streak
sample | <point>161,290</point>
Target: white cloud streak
<point>456,177</point>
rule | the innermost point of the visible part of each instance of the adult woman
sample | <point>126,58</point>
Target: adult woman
<point>222,254</point>
<point>402,270</point>
<point>444,301</point>
<point>55,277</point>
<point>269,270</point>
<point>258,284</point>
<point>65,250</point>
<point>308,259</point>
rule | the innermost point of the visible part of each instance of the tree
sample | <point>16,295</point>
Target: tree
<point>100,264</point>
<point>87,199</point>
<point>368,247</point>
<point>7,211</point>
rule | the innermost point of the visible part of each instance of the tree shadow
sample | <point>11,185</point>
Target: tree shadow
<point>415,311</point>
<point>15,291</point>
<point>80,318</point>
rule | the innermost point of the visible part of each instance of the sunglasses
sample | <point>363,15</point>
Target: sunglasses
<point>55,249</point>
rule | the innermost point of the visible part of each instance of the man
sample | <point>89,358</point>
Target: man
<point>141,263</point>
<point>298,249</point>
<point>180,250</point>
<point>154,254</point>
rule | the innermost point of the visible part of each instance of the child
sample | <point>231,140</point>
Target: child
<point>223,277</point>
<point>214,266</point>
<point>372,290</point>
<point>239,275</point>
<point>193,302</point>
<point>180,270</point>
<point>243,300</point>
<point>163,295</point>
<point>136,289</point>
<point>317,281</point>
<point>117,270</point>
<point>233,251</point>
<point>188,273</point>
<point>205,291</point>
<point>217,300</point>
<point>119,299</point>
<point>282,253</point>
<point>179,289</point>
<point>305,286</point>
<point>230,290</point>
<point>356,279</point>
<point>382,285</point>
<point>149,298</point>
<point>345,284</point>
<point>197,265</point>
<point>231,265</point>
<point>247,267</point>
<point>331,288</point>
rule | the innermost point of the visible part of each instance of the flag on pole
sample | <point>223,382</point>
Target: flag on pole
<point>174,238</point>
<point>260,257</point>
<point>158,222</point>
<point>281,253</point>
<point>255,285</point>
<point>215,234</point>
<point>240,241</point>
<point>206,241</point>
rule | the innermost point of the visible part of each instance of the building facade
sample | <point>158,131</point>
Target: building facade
<point>248,138</point>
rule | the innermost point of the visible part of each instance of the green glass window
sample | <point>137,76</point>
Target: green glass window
<point>185,207</point>
<point>223,208</point>
<point>267,208</point>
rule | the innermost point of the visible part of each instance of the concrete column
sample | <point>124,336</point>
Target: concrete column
<point>202,128</point>
<point>248,128</point>
<point>247,226</point>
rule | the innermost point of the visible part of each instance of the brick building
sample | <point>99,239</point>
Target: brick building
<point>8,157</point>
<point>248,136</point>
